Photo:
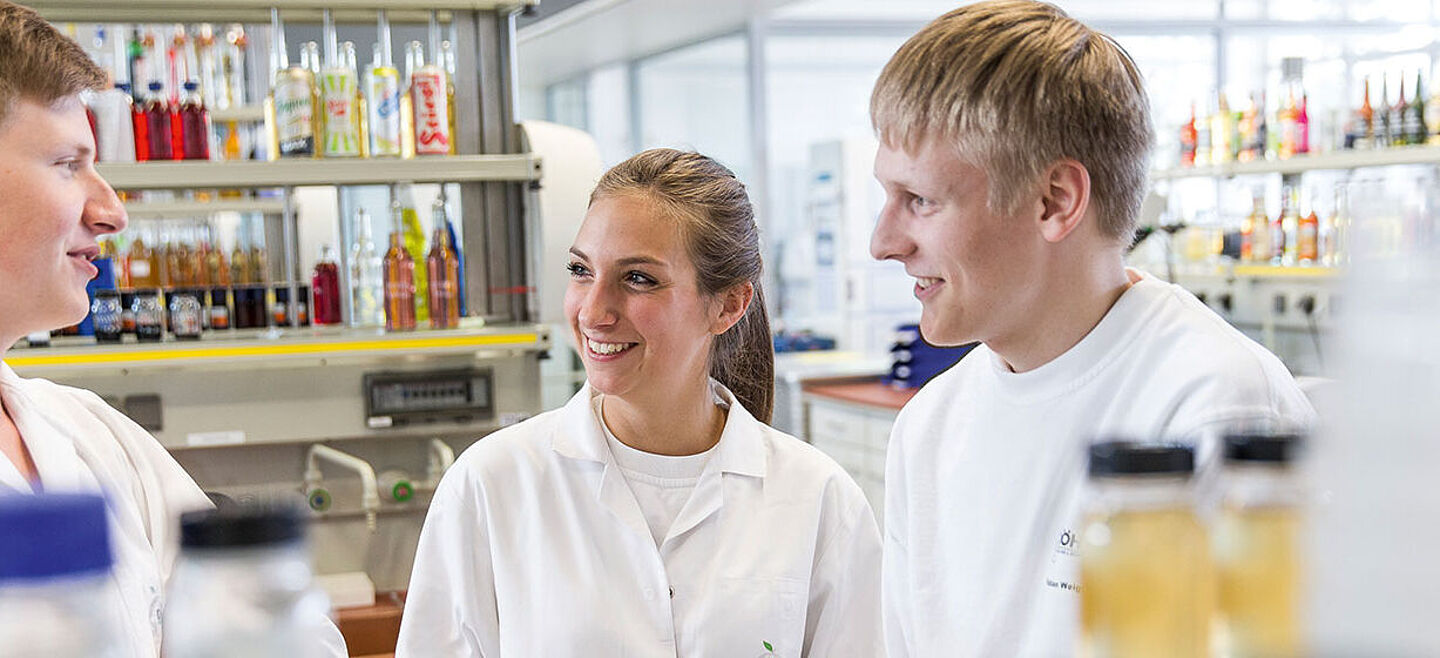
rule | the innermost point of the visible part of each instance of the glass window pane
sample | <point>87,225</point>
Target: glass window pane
<point>698,98</point>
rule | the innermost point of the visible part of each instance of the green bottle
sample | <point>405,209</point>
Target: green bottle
<point>1418,131</point>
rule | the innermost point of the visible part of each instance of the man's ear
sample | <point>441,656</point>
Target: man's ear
<point>1065,199</point>
<point>733,304</point>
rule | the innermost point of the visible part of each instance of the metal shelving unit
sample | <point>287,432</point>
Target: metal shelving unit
<point>258,11</point>
<point>321,171</point>
<point>1333,161</point>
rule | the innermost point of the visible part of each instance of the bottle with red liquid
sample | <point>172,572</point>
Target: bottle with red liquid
<point>399,271</point>
<point>153,134</point>
<point>325,285</point>
<point>194,124</point>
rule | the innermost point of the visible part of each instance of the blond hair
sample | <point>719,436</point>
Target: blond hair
<point>38,63</point>
<point>717,223</point>
<point>1015,86</point>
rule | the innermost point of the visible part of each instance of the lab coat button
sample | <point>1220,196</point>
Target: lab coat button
<point>672,592</point>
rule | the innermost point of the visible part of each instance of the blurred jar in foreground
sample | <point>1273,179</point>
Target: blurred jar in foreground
<point>54,576</point>
<point>1146,587</point>
<point>243,587</point>
<point>1257,546</point>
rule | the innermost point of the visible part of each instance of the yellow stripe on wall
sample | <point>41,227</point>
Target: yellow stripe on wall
<point>293,349</point>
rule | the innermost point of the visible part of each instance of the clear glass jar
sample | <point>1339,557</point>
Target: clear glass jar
<point>1146,585</point>
<point>187,316</point>
<point>55,599</point>
<point>243,588</point>
<point>1257,544</point>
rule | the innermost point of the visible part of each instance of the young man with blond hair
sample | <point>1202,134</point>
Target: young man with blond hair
<point>53,208</point>
<point>1014,148</point>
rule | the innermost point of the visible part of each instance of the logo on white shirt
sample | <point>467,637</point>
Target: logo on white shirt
<point>1065,563</point>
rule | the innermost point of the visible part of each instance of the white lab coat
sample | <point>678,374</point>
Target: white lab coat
<point>80,444</point>
<point>535,546</point>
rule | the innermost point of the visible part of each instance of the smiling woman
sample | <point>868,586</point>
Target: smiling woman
<point>655,493</point>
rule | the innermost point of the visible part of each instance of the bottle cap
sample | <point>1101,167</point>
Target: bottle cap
<point>240,527</point>
<point>155,85</point>
<point>51,535</point>
<point>1111,458</point>
<point>1272,447</point>
<point>191,85</point>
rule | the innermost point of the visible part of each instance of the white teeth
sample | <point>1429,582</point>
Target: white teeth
<point>607,348</point>
<point>925,282</point>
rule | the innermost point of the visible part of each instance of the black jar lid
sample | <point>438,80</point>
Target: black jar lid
<point>238,527</point>
<point>1269,447</point>
<point>1120,458</point>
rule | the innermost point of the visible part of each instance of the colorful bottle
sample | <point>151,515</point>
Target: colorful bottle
<point>291,105</point>
<point>325,286</point>
<point>367,278</point>
<point>1222,133</point>
<point>232,68</point>
<point>159,133</point>
<point>1289,126</point>
<point>382,96</point>
<point>1187,140</point>
<point>1419,134</point>
<point>407,218</point>
<point>443,268</point>
<point>194,124</point>
<point>140,264</point>
<point>1287,228</point>
<point>427,93</point>
<point>1365,137</point>
<point>339,94</point>
<point>1248,229</point>
<point>1302,125</point>
<point>1399,114</point>
<point>399,286</point>
<point>1307,239</point>
<point>1382,114</point>
<point>447,61</point>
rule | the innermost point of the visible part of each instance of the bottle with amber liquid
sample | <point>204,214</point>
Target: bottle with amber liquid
<point>1257,546</point>
<point>1147,586</point>
<point>140,263</point>
<point>399,272</point>
<point>444,269</point>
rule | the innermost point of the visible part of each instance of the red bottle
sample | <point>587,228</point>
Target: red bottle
<point>159,136</point>
<point>194,124</point>
<point>325,286</point>
<point>141,127</point>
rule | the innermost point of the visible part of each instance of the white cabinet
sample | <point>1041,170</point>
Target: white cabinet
<point>855,436</point>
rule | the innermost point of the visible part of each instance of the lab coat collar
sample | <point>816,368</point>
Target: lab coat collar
<point>741,449</point>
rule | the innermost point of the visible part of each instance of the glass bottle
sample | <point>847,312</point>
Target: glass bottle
<point>290,106</point>
<point>427,93</point>
<point>1302,125</point>
<point>53,580</point>
<point>444,271</point>
<point>339,89</point>
<point>1366,116</point>
<point>243,578</point>
<point>1146,582</point>
<point>140,263</point>
<point>1187,140</point>
<point>1416,119</point>
<point>194,124</point>
<point>1287,228</point>
<point>1383,128</point>
<point>1307,239</point>
<point>157,131</point>
<point>404,211</point>
<point>366,277</point>
<point>447,62</point>
<point>325,285</point>
<point>382,96</point>
<point>1257,546</point>
<point>399,286</point>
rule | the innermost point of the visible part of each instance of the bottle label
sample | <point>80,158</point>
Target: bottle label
<point>338,91</point>
<point>383,93</point>
<point>294,116</point>
<point>432,123</point>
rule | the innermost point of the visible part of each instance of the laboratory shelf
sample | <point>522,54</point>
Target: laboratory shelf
<point>259,348</point>
<point>323,171</point>
<point>1335,160</point>
<point>188,209</point>
<point>258,11</point>
<point>1242,271</point>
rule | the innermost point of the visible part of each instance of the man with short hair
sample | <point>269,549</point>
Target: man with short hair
<point>53,208</point>
<point>1014,149</point>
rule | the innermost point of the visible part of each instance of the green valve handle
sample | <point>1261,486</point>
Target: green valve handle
<point>319,499</point>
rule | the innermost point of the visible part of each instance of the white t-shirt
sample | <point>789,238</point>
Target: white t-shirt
<point>661,483</point>
<point>985,467</point>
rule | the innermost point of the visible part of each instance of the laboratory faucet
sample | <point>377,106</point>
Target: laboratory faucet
<point>441,457</point>
<point>370,492</point>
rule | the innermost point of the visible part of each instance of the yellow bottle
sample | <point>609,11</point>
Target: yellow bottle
<point>1257,548</point>
<point>1146,581</point>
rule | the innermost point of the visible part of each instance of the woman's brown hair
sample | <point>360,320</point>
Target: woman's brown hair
<point>718,225</point>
